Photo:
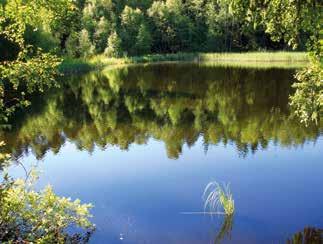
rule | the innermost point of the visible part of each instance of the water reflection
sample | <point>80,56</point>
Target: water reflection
<point>176,104</point>
<point>309,235</point>
<point>226,229</point>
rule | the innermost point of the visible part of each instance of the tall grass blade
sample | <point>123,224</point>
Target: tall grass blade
<point>218,196</point>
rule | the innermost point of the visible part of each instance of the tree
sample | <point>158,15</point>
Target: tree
<point>143,40</point>
<point>65,18</point>
<point>163,32</point>
<point>295,17</point>
<point>72,45</point>
<point>101,34</point>
<point>308,98</point>
<point>174,29</point>
<point>88,18</point>
<point>195,10</point>
<point>143,5</point>
<point>287,20</point>
<point>28,70</point>
<point>131,20</point>
<point>86,47</point>
<point>113,48</point>
<point>219,22</point>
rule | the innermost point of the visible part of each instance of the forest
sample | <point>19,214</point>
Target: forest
<point>83,28</point>
<point>36,35</point>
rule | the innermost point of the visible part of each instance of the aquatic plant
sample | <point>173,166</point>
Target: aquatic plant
<point>217,196</point>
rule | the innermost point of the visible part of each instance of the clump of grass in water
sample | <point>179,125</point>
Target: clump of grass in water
<point>216,195</point>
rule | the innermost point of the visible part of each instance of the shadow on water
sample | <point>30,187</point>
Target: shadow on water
<point>176,104</point>
<point>309,235</point>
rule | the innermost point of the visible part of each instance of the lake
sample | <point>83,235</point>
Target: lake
<point>142,142</point>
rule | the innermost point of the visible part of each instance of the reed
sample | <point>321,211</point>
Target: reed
<point>217,196</point>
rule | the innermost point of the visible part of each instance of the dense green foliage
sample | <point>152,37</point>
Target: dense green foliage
<point>34,33</point>
<point>109,109</point>
<point>156,26</point>
<point>288,20</point>
<point>30,216</point>
<point>24,68</point>
<point>308,98</point>
<point>132,27</point>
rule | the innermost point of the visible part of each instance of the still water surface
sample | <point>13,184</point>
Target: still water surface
<point>142,142</point>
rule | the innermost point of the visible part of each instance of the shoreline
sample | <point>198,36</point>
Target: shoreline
<point>279,59</point>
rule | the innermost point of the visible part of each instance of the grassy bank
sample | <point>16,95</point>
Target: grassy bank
<point>249,59</point>
<point>69,66</point>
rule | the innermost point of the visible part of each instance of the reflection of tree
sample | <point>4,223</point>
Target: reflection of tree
<point>308,236</point>
<point>225,230</point>
<point>175,105</point>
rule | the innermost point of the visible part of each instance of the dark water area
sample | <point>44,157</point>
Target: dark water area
<point>142,142</point>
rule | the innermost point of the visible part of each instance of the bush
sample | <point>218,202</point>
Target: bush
<point>28,216</point>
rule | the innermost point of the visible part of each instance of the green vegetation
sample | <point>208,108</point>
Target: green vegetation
<point>217,196</point>
<point>34,34</point>
<point>24,68</point>
<point>249,59</point>
<point>33,216</point>
<point>83,28</point>
<point>262,57</point>
<point>78,66</point>
<point>308,98</point>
